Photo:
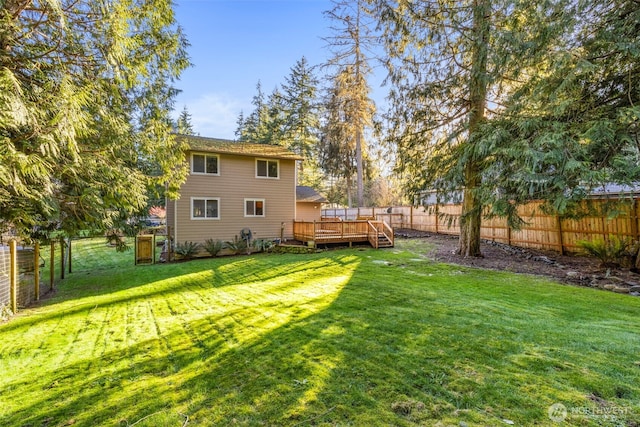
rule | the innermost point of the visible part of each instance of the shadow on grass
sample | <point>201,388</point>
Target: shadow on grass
<point>378,353</point>
<point>83,292</point>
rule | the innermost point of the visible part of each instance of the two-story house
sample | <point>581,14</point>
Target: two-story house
<point>234,186</point>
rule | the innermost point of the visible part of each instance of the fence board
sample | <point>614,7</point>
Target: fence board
<point>541,231</point>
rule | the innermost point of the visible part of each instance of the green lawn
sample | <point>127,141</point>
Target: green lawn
<point>353,337</point>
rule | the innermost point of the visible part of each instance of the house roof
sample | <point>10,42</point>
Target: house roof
<point>615,190</point>
<point>226,146</point>
<point>309,195</point>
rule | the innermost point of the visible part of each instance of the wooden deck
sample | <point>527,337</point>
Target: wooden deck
<point>377,233</point>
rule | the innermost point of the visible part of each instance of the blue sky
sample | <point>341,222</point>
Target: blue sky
<point>235,43</point>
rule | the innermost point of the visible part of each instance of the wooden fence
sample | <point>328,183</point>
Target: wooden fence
<point>23,275</point>
<point>541,231</point>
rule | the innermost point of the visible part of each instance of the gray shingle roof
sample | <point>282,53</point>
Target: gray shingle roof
<point>308,194</point>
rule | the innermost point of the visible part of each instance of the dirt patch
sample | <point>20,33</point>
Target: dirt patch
<point>575,270</point>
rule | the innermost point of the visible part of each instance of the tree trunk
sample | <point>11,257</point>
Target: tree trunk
<point>349,201</point>
<point>360,108</point>
<point>471,218</point>
<point>471,205</point>
<point>359,168</point>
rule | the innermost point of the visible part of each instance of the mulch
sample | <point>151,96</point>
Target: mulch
<point>578,270</point>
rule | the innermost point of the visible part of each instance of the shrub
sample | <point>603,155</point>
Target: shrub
<point>263,245</point>
<point>237,246</point>
<point>213,246</point>
<point>187,250</point>
<point>611,252</point>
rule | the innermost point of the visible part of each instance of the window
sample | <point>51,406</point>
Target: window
<point>267,168</point>
<point>205,208</point>
<point>253,207</point>
<point>205,164</point>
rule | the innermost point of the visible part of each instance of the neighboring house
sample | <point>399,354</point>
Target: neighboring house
<point>308,204</point>
<point>234,186</point>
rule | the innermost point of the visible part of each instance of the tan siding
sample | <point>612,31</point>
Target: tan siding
<point>236,182</point>
<point>308,211</point>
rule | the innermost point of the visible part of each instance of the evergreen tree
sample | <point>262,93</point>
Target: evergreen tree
<point>301,118</point>
<point>575,124</point>
<point>255,126</point>
<point>351,44</point>
<point>83,103</point>
<point>184,126</point>
<point>452,64</point>
<point>338,145</point>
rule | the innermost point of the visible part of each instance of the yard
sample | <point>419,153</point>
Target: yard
<point>356,337</point>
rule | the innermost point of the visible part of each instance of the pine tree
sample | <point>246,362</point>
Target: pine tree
<point>255,126</point>
<point>353,39</point>
<point>183,125</point>
<point>452,64</point>
<point>301,118</point>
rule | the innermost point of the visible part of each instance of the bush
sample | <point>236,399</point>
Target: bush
<point>237,246</point>
<point>263,245</point>
<point>187,250</point>
<point>611,252</point>
<point>213,246</point>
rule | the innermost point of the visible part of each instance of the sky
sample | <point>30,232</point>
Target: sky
<point>235,44</point>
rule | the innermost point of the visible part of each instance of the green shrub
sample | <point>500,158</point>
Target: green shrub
<point>213,246</point>
<point>263,245</point>
<point>611,252</point>
<point>237,246</point>
<point>187,250</point>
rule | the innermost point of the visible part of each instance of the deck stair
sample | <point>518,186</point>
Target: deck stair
<point>334,230</point>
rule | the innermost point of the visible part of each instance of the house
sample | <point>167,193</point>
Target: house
<point>308,204</point>
<point>234,186</point>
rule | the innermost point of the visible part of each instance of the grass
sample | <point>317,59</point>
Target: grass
<point>351,337</point>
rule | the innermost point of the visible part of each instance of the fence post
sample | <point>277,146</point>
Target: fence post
<point>61,258</point>
<point>633,219</point>
<point>36,272</point>
<point>69,255</point>
<point>411,217</point>
<point>52,260</point>
<point>13,275</point>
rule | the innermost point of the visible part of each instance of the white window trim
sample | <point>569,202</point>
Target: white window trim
<point>217,156</point>
<point>268,160</point>
<point>255,199</point>
<point>204,218</point>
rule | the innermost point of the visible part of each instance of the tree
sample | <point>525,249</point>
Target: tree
<point>254,128</point>
<point>338,144</point>
<point>183,125</point>
<point>352,41</point>
<point>574,125</point>
<point>452,64</point>
<point>84,100</point>
<point>288,117</point>
<point>301,121</point>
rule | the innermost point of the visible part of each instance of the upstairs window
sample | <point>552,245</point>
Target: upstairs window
<point>267,168</point>
<point>205,164</point>
<point>253,207</point>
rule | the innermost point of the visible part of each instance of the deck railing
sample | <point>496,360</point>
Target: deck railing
<point>332,231</point>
